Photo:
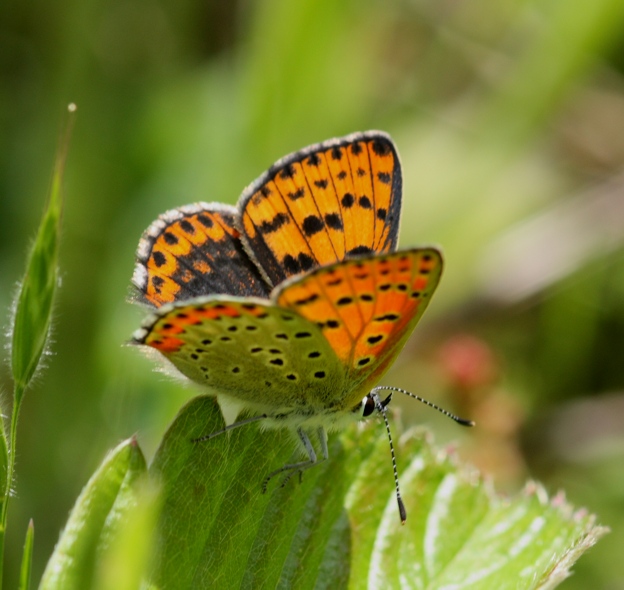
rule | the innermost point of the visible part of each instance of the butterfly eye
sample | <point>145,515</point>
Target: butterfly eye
<point>367,405</point>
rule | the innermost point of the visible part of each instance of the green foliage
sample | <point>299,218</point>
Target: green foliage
<point>105,502</point>
<point>123,564</point>
<point>30,331</point>
<point>340,528</point>
<point>547,67</point>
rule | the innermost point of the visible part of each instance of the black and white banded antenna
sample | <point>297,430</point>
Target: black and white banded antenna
<point>381,408</point>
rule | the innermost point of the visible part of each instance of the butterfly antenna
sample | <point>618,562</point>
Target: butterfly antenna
<point>381,408</point>
<point>448,414</point>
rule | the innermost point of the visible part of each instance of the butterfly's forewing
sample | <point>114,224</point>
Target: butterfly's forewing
<point>267,357</point>
<point>366,308</point>
<point>193,251</point>
<point>323,204</point>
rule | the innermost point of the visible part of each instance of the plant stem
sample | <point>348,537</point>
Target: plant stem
<point>17,399</point>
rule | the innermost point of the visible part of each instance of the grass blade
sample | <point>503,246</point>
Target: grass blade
<point>24,582</point>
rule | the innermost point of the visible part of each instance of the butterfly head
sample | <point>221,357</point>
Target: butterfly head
<point>370,403</point>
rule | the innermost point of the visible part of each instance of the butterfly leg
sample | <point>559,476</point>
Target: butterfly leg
<point>301,466</point>
<point>322,436</point>
<point>230,427</point>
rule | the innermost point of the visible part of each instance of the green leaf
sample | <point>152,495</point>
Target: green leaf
<point>124,561</point>
<point>24,583</point>
<point>461,535</point>
<point>101,509</point>
<point>217,528</point>
<point>340,527</point>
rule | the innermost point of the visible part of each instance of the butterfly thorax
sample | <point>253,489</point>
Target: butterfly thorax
<point>306,416</point>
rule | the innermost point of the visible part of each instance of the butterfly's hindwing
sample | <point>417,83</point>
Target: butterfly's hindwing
<point>264,355</point>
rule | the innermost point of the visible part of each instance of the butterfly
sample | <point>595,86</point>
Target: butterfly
<point>291,306</point>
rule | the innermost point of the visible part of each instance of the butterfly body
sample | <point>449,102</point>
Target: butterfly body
<point>293,304</point>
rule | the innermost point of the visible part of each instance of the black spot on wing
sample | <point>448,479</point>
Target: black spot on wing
<point>356,148</point>
<point>307,300</point>
<point>347,200</point>
<point>287,172</point>
<point>170,238</point>
<point>301,263</point>
<point>159,258</point>
<point>381,146</point>
<point>298,194</point>
<point>389,317</point>
<point>187,226</point>
<point>205,220</point>
<point>333,220</point>
<point>267,227</point>
<point>358,250</point>
<point>312,225</point>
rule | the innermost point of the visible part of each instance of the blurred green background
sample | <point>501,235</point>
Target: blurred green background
<point>509,118</point>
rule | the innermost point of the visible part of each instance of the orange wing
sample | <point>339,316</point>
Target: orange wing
<point>366,307</point>
<point>324,204</point>
<point>191,251</point>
